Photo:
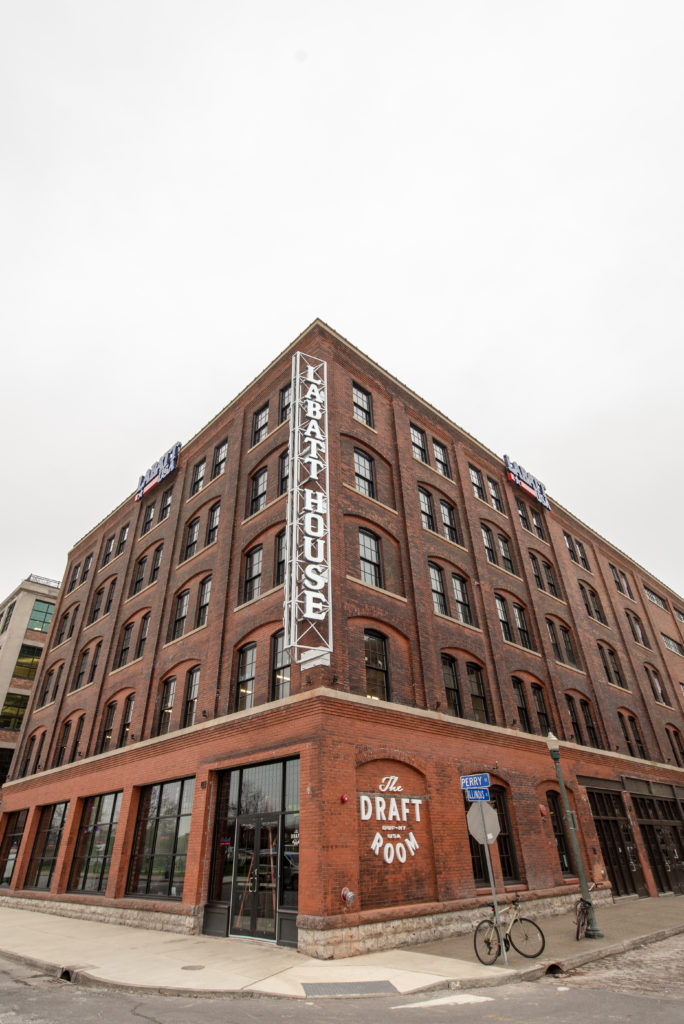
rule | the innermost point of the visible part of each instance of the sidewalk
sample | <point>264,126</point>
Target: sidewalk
<point>139,960</point>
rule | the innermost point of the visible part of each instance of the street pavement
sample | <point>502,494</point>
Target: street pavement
<point>133,959</point>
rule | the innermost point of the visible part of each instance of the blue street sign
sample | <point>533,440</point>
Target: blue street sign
<point>477,794</point>
<point>474,781</point>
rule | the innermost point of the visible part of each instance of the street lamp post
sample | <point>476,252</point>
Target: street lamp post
<point>593,930</point>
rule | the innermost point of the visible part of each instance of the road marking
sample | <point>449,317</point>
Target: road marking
<point>458,997</point>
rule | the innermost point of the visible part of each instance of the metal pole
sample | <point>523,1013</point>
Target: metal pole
<point>593,930</point>
<point>491,882</point>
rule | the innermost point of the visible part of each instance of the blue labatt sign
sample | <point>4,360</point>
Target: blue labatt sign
<point>158,471</point>
<point>529,483</point>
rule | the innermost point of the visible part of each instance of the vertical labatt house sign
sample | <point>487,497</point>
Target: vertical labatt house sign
<point>308,602</point>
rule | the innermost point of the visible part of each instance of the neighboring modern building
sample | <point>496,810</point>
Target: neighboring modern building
<point>293,639</point>
<point>24,622</point>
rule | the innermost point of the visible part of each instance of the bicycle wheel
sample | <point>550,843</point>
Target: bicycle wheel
<point>581,921</point>
<point>527,937</point>
<point>486,942</point>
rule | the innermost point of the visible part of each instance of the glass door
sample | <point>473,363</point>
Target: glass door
<point>255,877</point>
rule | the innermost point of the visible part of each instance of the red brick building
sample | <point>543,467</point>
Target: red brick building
<point>179,769</point>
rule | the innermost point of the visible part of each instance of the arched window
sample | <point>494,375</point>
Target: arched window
<point>632,734</point>
<point>656,684</point>
<point>478,693</point>
<point>505,843</point>
<point>246,673</point>
<point>592,603</point>
<point>451,687</point>
<point>611,666</point>
<point>558,825</point>
<point>377,673</point>
<point>676,743</point>
<point>638,631</point>
<point>280,667</point>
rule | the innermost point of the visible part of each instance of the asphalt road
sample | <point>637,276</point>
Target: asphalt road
<point>645,984</point>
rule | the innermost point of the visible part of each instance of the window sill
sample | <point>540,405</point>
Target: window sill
<point>364,424</point>
<point>265,438</point>
<point>513,575</point>
<point>453,543</point>
<point>170,643</point>
<point>620,689</point>
<point>111,561</point>
<point>571,668</point>
<point>521,647</point>
<point>259,597</point>
<point>70,693</point>
<point>483,501</point>
<point>458,622</point>
<point>268,505</point>
<point>122,668</point>
<point>378,590</point>
<point>380,504</point>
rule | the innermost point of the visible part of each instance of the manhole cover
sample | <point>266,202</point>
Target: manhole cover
<point>193,967</point>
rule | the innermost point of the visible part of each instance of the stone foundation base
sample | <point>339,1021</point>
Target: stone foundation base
<point>328,943</point>
<point>133,917</point>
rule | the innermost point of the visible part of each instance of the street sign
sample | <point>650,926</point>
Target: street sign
<point>477,794</point>
<point>474,781</point>
<point>483,823</point>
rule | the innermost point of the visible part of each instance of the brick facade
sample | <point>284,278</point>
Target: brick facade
<point>150,581</point>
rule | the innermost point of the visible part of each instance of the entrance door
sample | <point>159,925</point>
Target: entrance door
<point>617,844</point>
<point>255,877</point>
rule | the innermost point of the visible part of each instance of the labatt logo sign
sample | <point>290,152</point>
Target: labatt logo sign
<point>529,483</point>
<point>158,471</point>
<point>308,612</point>
<point>394,815</point>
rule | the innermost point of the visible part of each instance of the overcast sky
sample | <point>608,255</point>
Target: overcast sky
<point>487,198</point>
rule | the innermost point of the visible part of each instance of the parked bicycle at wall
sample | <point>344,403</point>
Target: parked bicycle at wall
<point>524,935</point>
<point>582,914</point>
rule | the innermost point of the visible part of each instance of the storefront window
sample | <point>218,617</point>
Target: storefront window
<point>90,868</point>
<point>46,846</point>
<point>10,845</point>
<point>161,840</point>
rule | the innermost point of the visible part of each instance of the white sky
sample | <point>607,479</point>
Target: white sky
<point>487,198</point>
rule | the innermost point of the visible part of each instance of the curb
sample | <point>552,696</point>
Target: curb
<point>75,975</point>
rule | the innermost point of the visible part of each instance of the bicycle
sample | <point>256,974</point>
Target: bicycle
<point>582,914</point>
<point>523,935</point>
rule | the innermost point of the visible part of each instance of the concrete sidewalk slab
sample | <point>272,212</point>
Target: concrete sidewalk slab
<point>150,961</point>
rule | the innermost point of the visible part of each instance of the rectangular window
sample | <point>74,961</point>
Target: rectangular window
<point>453,692</point>
<point>41,616</point>
<point>93,665</point>
<point>197,480</point>
<point>148,519</point>
<point>46,846</point>
<point>126,720</point>
<point>673,645</point>
<point>180,615</point>
<point>503,619</point>
<point>11,841</point>
<point>74,577</point>
<point>107,728</point>
<point>213,523</point>
<point>123,536</point>
<point>156,563</point>
<point>505,549</point>
<point>108,549</point>
<point>495,494</point>
<point>522,513</point>
<point>521,705</point>
<point>441,458</point>
<point>280,668</point>
<point>463,610</point>
<point>369,558</point>
<point>478,485</point>
<point>570,544</point>
<point>538,525</point>
<point>550,579</point>
<point>418,444</point>
<point>165,505</point>
<point>13,711</point>
<point>191,535</point>
<point>166,698</point>
<point>246,673</point>
<point>139,578</point>
<point>478,695</point>
<point>81,673</point>
<point>260,424</point>
<point>161,840</point>
<point>449,523</point>
<point>541,709</point>
<point>280,558</point>
<point>203,602</point>
<point>191,691</point>
<point>523,628</point>
<point>283,472</point>
<point>285,402</point>
<point>252,581</point>
<point>8,616</point>
<point>363,407</point>
<point>655,598</point>
<point>86,568</point>
<point>220,455</point>
<point>27,662</point>
<point>426,513</point>
<point>584,561</point>
<point>363,473</point>
<point>142,636</point>
<point>535,569</point>
<point>126,638</point>
<point>437,584</point>
<point>92,860</point>
<point>257,498</point>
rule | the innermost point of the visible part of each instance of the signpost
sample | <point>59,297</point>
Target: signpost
<point>483,825</point>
